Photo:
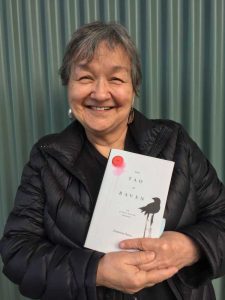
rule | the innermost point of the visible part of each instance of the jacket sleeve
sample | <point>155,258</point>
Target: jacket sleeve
<point>40,268</point>
<point>209,230</point>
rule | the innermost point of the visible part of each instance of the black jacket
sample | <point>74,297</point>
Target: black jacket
<point>42,245</point>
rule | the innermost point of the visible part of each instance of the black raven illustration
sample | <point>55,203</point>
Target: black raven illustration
<point>152,208</point>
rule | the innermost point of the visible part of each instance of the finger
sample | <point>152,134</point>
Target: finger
<point>139,243</point>
<point>146,267</point>
<point>158,263</point>
<point>140,257</point>
<point>152,266</point>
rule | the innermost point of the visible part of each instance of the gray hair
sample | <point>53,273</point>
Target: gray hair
<point>85,41</point>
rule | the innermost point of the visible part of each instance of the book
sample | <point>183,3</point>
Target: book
<point>131,200</point>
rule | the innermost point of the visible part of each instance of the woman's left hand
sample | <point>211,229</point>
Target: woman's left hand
<point>172,249</point>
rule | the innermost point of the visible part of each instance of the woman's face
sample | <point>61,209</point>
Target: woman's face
<point>100,92</point>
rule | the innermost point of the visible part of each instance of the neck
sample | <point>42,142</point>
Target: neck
<point>106,142</point>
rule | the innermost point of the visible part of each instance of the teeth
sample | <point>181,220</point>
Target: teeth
<point>101,107</point>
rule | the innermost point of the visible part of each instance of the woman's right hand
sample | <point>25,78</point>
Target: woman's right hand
<point>120,271</point>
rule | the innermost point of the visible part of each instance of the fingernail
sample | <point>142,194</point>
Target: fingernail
<point>122,245</point>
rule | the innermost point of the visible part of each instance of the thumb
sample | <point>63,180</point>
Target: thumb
<point>138,243</point>
<point>140,257</point>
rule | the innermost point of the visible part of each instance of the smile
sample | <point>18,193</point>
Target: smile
<point>100,107</point>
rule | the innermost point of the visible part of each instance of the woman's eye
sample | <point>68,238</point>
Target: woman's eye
<point>85,78</point>
<point>117,80</point>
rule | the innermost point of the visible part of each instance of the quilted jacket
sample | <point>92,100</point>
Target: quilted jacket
<point>42,247</point>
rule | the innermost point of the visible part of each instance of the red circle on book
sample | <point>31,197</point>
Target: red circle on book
<point>117,161</point>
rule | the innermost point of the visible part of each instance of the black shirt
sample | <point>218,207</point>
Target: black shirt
<point>93,167</point>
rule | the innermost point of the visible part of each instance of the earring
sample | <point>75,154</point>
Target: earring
<point>131,114</point>
<point>70,114</point>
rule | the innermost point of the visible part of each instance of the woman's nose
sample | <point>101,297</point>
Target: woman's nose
<point>101,90</point>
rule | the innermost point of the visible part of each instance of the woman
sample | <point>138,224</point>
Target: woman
<point>42,247</point>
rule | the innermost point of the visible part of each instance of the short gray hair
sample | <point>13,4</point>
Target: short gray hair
<point>85,41</point>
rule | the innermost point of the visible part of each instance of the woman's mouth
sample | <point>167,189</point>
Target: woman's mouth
<point>100,108</point>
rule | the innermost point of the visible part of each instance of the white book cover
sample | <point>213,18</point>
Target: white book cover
<point>131,200</point>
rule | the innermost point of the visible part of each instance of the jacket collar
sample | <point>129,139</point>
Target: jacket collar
<point>65,146</point>
<point>150,137</point>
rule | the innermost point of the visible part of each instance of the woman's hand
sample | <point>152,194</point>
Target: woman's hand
<point>172,249</point>
<point>120,271</point>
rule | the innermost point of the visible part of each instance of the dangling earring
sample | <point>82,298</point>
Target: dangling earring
<point>70,114</point>
<point>131,114</point>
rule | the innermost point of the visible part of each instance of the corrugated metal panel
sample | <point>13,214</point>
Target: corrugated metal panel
<point>182,46</point>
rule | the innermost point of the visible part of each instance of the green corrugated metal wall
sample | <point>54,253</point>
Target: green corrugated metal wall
<point>182,46</point>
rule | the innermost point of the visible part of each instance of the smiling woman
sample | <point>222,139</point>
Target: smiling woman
<point>102,71</point>
<point>43,243</point>
<point>100,94</point>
